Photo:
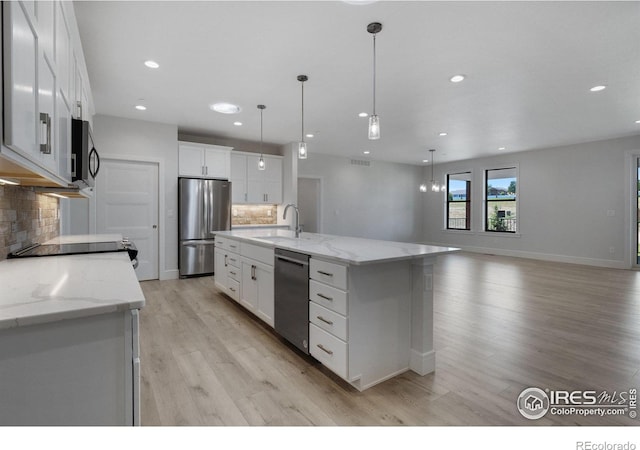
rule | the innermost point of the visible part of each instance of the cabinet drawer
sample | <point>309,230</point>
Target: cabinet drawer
<point>228,244</point>
<point>233,289</point>
<point>328,320</point>
<point>258,253</point>
<point>234,273</point>
<point>233,259</point>
<point>330,273</point>
<point>329,297</point>
<point>329,350</point>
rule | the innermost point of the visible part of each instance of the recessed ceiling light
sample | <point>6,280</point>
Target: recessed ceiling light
<point>151,64</point>
<point>502,148</point>
<point>141,107</point>
<point>238,124</point>
<point>425,160</point>
<point>598,88</point>
<point>225,108</point>
<point>309,135</point>
<point>366,152</point>
<point>456,78</point>
<point>363,114</point>
<point>443,133</point>
<point>637,121</point>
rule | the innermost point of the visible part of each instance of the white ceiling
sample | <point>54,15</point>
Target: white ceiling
<point>529,67</point>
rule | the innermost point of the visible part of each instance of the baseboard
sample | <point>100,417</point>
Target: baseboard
<point>422,363</point>
<point>607,263</point>
<point>170,274</point>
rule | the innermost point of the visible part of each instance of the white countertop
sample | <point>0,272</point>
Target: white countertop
<point>338,248</point>
<point>51,288</point>
<point>84,238</point>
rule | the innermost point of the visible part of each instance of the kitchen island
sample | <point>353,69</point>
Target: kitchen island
<point>371,301</point>
<point>69,339</point>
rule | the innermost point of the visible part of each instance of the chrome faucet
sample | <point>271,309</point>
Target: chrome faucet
<point>284,217</point>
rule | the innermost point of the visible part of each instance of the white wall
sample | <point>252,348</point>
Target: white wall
<point>379,202</point>
<point>565,194</point>
<point>148,141</point>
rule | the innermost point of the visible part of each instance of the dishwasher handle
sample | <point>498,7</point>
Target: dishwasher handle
<point>292,261</point>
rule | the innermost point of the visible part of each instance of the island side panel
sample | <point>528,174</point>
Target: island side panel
<point>380,297</point>
<point>423,355</point>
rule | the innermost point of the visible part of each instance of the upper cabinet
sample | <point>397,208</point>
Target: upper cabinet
<point>42,57</point>
<point>204,161</point>
<point>252,185</point>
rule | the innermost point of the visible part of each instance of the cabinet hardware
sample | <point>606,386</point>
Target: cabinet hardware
<point>245,196</point>
<point>325,297</point>
<point>324,349</point>
<point>79,109</point>
<point>232,259</point>
<point>233,246</point>
<point>232,272</point>
<point>45,133</point>
<point>225,260</point>
<point>328,322</point>
<point>232,289</point>
<point>253,272</point>
<point>325,273</point>
<point>206,170</point>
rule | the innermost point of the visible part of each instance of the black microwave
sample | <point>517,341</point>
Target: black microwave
<point>85,161</point>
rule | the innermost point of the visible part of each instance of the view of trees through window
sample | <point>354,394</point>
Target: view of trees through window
<point>459,201</point>
<point>501,200</point>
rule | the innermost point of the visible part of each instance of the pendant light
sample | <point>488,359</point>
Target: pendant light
<point>302,145</point>
<point>374,121</point>
<point>261,164</point>
<point>435,186</point>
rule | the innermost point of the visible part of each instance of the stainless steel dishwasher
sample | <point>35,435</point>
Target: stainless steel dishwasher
<point>292,297</point>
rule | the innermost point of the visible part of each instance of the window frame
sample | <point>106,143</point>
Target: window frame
<point>468,201</point>
<point>486,201</point>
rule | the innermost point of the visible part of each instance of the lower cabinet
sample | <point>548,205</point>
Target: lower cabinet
<point>247,276</point>
<point>257,289</point>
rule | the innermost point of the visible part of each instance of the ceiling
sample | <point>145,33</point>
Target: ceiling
<point>529,68</point>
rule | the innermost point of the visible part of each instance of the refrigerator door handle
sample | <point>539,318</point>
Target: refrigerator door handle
<point>197,243</point>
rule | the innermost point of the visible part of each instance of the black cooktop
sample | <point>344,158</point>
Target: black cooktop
<point>75,249</point>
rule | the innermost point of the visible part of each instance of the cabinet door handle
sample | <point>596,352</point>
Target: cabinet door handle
<point>253,272</point>
<point>325,297</point>
<point>79,109</point>
<point>328,322</point>
<point>45,133</point>
<point>206,170</point>
<point>325,273</point>
<point>320,346</point>
<point>225,260</point>
<point>245,196</point>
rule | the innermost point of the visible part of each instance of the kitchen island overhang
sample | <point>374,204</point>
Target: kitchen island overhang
<point>389,297</point>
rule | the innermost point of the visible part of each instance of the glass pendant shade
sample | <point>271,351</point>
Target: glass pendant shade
<point>374,127</point>
<point>423,187</point>
<point>261,164</point>
<point>302,150</point>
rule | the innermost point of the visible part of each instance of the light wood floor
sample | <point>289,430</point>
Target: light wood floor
<point>501,325</point>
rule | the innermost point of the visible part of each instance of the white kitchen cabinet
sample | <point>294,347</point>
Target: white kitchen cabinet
<point>238,178</point>
<point>252,185</point>
<point>257,289</point>
<point>83,371</point>
<point>207,161</point>
<point>39,67</point>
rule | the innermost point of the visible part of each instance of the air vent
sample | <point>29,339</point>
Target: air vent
<point>360,162</point>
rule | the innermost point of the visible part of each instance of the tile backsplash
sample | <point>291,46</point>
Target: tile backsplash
<point>254,215</point>
<point>26,217</point>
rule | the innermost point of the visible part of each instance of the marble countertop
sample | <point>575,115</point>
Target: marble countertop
<point>338,248</point>
<point>84,238</point>
<point>53,288</point>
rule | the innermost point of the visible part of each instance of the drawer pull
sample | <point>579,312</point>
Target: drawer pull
<point>328,322</point>
<point>325,273</point>
<point>232,272</point>
<point>233,246</point>
<point>232,259</point>
<point>324,349</point>
<point>325,297</point>
<point>232,289</point>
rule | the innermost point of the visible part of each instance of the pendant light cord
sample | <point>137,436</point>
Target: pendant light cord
<point>302,135</point>
<point>374,74</point>
<point>261,132</point>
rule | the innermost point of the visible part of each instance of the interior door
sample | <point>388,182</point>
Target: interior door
<point>127,203</point>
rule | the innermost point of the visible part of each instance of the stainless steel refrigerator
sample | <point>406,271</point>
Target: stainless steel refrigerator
<point>204,208</point>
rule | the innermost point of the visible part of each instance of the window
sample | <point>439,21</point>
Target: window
<point>459,201</point>
<point>501,200</point>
